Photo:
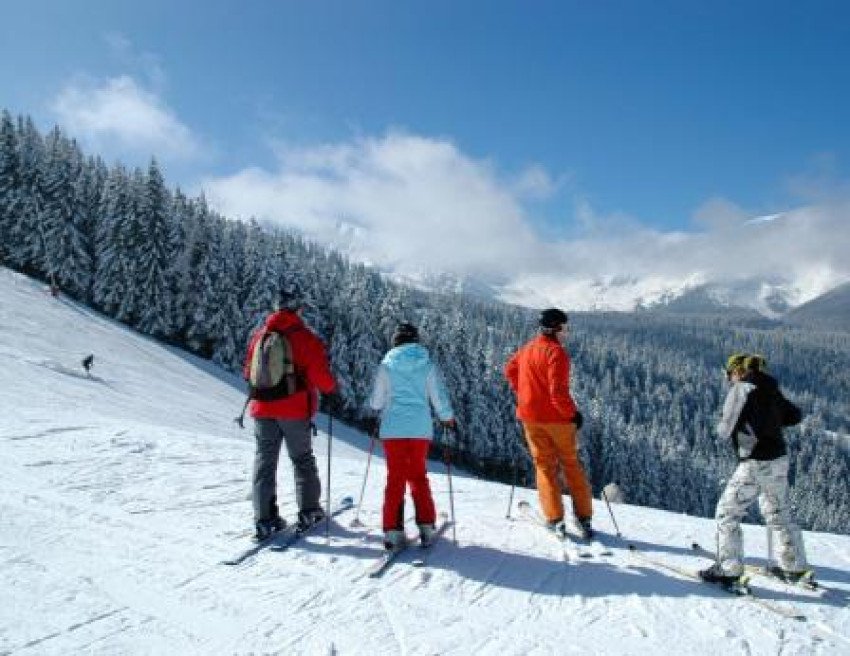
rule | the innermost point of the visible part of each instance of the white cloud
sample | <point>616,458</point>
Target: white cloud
<point>130,58</point>
<point>411,203</point>
<point>535,183</point>
<point>119,115</point>
<point>414,202</point>
<point>804,250</point>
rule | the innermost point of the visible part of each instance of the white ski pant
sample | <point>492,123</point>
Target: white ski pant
<point>766,480</point>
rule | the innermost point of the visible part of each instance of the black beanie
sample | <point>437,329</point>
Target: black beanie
<point>552,319</point>
<point>289,298</point>
<point>405,333</point>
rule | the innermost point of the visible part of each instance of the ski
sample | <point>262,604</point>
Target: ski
<point>571,550</point>
<point>285,538</point>
<point>387,558</point>
<point>740,588</point>
<point>383,562</point>
<point>594,546</point>
<point>806,582</point>
<point>425,550</point>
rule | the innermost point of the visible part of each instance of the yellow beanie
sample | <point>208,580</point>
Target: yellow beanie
<point>736,361</point>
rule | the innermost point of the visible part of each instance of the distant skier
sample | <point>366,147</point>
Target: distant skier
<point>88,363</point>
<point>539,375</point>
<point>406,386</point>
<point>753,416</point>
<point>284,351</point>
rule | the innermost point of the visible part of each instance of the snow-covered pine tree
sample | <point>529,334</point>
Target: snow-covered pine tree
<point>259,279</point>
<point>202,273</point>
<point>226,322</point>
<point>111,251</point>
<point>180,211</point>
<point>28,253</point>
<point>90,185</point>
<point>154,257</point>
<point>67,246</point>
<point>10,186</point>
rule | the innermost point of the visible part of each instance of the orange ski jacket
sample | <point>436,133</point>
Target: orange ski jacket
<point>539,375</point>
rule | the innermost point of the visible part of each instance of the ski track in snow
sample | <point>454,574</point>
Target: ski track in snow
<point>121,492</point>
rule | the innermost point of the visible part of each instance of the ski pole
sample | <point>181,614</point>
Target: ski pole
<point>356,521</point>
<point>516,475</point>
<point>769,546</point>
<point>448,460</point>
<point>511,499</point>
<point>328,493</point>
<point>240,419</point>
<point>610,512</point>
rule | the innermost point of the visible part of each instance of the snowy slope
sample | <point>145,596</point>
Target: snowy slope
<point>120,494</point>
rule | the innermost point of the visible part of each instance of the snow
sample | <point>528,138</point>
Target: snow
<point>120,494</point>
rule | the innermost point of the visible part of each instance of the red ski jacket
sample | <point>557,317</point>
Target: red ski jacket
<point>311,363</point>
<point>539,375</point>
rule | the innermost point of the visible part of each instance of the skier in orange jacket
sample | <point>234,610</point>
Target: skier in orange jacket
<point>539,375</point>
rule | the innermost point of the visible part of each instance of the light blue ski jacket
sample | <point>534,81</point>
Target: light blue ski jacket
<point>406,386</point>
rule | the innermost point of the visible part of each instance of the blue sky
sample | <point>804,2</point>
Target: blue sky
<point>567,119</point>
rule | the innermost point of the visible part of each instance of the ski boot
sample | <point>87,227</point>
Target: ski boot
<point>584,527</point>
<point>394,540</point>
<point>804,577</point>
<point>558,527</point>
<point>732,582</point>
<point>308,518</point>
<point>426,534</point>
<point>265,528</point>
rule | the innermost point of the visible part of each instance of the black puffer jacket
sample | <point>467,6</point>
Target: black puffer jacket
<point>753,417</point>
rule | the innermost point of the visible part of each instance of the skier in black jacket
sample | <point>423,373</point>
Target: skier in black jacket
<point>754,414</point>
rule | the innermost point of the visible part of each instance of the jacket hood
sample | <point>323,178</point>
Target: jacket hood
<point>762,380</point>
<point>283,319</point>
<point>407,357</point>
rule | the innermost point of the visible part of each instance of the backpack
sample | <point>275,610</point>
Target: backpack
<point>272,372</point>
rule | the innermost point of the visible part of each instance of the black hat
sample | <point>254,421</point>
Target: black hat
<point>289,298</point>
<point>552,319</point>
<point>405,333</point>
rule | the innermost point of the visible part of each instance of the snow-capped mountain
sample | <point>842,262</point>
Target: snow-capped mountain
<point>770,298</point>
<point>768,265</point>
<point>831,309</point>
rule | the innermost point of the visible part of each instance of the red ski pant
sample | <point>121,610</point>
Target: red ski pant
<point>406,465</point>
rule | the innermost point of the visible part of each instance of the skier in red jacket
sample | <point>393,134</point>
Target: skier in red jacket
<point>289,419</point>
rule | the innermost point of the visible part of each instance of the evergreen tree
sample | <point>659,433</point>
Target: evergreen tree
<point>67,248</point>
<point>112,272</point>
<point>10,186</point>
<point>27,235</point>
<point>153,256</point>
<point>200,278</point>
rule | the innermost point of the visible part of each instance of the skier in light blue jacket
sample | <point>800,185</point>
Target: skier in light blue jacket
<point>407,385</point>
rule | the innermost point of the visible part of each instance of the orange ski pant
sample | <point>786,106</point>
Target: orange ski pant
<point>554,447</point>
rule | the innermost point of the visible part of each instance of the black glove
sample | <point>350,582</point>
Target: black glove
<point>578,420</point>
<point>372,424</point>
<point>333,402</point>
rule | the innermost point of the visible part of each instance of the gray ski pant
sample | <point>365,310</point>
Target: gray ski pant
<point>270,435</point>
<point>766,480</point>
